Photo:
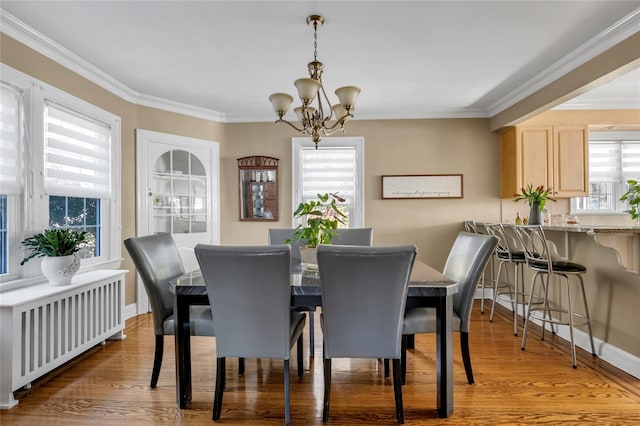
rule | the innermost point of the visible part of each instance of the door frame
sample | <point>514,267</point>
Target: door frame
<point>143,139</point>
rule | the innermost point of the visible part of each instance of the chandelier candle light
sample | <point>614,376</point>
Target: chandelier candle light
<point>316,121</point>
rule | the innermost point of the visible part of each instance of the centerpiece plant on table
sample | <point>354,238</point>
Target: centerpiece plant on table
<point>322,217</point>
<point>536,198</point>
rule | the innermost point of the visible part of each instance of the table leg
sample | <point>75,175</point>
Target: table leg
<point>444,356</point>
<point>183,353</point>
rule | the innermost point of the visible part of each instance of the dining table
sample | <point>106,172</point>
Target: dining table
<point>427,288</point>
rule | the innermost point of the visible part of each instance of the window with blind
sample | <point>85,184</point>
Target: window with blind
<point>11,177</point>
<point>614,158</point>
<point>337,167</point>
<point>59,167</point>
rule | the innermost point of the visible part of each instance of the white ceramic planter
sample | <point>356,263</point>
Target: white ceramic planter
<point>60,269</point>
<point>308,255</point>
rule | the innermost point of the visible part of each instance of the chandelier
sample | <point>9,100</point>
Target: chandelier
<point>323,119</point>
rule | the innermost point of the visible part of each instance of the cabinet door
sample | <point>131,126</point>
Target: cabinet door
<point>536,155</point>
<point>571,161</point>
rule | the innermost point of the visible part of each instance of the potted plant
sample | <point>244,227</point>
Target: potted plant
<point>632,196</point>
<point>321,217</point>
<point>59,249</point>
<point>536,198</point>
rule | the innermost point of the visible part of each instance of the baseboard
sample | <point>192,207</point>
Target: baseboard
<point>130,311</point>
<point>607,352</point>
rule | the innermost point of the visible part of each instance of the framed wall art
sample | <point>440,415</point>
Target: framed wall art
<point>422,186</point>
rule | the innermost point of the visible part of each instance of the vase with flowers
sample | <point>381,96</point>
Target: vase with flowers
<point>536,198</point>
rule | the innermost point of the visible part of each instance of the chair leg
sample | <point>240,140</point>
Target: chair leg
<point>220,382</point>
<point>495,290</point>
<point>466,356</point>
<point>515,299</point>
<point>299,355</point>
<point>240,365</point>
<point>287,412</point>
<point>386,367</point>
<point>586,314</point>
<point>403,359</point>
<point>570,309</point>
<point>157,360</point>
<point>327,388</point>
<point>526,319</point>
<point>311,334</point>
<point>397,391</point>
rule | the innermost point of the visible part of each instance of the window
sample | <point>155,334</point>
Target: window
<point>337,166</point>
<point>60,159</point>
<point>614,158</point>
<point>11,176</point>
<point>81,214</point>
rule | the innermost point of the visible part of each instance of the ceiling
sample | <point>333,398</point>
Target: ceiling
<point>412,59</point>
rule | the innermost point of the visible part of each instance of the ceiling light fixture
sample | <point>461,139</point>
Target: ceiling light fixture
<point>316,121</point>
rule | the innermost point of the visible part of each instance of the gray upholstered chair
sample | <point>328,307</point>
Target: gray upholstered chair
<point>158,262</point>
<point>353,237</point>
<point>279,236</point>
<point>364,293</point>
<point>250,295</point>
<point>546,263</point>
<point>465,263</point>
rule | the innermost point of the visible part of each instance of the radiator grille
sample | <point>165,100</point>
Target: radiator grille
<point>55,331</point>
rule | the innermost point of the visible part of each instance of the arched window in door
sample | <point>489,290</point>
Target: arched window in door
<point>180,194</point>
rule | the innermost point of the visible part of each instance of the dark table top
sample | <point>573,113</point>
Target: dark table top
<point>425,281</point>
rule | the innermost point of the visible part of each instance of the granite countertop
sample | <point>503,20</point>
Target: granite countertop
<point>612,229</point>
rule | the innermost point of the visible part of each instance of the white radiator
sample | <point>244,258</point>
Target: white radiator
<point>42,326</point>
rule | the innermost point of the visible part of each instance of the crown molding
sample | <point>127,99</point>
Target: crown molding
<point>18,30</point>
<point>618,32</point>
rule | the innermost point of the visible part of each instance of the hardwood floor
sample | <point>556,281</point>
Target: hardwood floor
<point>537,386</point>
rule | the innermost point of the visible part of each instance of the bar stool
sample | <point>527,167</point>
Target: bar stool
<point>545,264</point>
<point>507,254</point>
<point>472,227</point>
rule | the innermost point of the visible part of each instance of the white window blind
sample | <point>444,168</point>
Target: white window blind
<point>329,170</point>
<point>77,152</point>
<point>10,134</point>
<point>604,162</point>
<point>630,160</point>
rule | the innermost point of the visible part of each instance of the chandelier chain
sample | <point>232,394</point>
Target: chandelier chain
<point>315,40</point>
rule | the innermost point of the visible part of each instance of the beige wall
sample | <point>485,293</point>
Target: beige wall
<point>391,147</point>
<point>436,146</point>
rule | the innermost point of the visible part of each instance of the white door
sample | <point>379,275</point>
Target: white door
<point>177,192</point>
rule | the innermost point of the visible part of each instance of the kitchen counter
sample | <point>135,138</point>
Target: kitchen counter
<point>595,229</point>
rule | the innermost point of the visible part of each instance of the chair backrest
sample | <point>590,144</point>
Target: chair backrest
<point>465,263</point>
<point>353,237</point>
<point>158,262</point>
<point>280,235</point>
<point>188,258</point>
<point>504,247</point>
<point>471,226</point>
<point>250,295</point>
<point>535,246</point>
<point>364,292</point>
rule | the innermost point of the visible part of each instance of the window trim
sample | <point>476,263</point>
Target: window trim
<point>357,142</point>
<point>34,204</point>
<point>618,187</point>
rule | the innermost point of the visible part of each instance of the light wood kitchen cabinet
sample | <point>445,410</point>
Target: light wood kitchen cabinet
<point>555,156</point>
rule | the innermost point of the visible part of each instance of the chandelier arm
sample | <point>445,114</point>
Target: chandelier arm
<point>281,120</point>
<point>340,122</point>
<point>328,117</point>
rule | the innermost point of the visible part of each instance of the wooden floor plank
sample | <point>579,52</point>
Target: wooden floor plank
<point>536,386</point>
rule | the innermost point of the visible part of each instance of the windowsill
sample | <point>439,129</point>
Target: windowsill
<point>40,279</point>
